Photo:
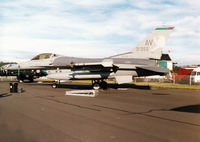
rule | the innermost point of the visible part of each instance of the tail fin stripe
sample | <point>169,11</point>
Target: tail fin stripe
<point>168,28</point>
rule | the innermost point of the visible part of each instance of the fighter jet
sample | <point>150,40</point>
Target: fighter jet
<point>141,61</point>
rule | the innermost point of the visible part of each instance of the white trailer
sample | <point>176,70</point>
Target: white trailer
<point>195,75</point>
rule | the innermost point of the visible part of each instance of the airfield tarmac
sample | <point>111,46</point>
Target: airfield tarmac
<point>44,114</point>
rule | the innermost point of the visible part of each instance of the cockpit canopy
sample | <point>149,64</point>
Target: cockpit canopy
<point>44,56</point>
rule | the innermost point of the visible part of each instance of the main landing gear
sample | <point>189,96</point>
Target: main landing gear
<point>55,84</point>
<point>97,84</point>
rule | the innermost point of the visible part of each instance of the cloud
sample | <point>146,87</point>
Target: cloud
<point>103,27</point>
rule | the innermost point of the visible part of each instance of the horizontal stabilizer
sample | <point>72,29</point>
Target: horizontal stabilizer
<point>148,71</point>
<point>155,69</point>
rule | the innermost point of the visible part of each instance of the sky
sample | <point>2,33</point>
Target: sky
<point>96,28</point>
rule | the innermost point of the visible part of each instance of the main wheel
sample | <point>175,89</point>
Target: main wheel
<point>96,86</point>
<point>54,85</point>
<point>104,85</point>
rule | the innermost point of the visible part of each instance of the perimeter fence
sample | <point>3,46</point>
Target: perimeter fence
<point>174,79</point>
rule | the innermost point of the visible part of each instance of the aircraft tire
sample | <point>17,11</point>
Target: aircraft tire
<point>96,86</point>
<point>104,85</point>
<point>54,86</point>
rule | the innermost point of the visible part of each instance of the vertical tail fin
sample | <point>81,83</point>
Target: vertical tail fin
<point>151,46</point>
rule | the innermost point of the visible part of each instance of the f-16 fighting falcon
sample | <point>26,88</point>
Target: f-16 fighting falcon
<point>141,61</point>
